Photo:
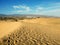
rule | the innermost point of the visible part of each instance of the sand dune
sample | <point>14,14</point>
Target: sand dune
<point>40,31</point>
<point>7,27</point>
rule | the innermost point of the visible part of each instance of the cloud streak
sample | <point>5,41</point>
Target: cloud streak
<point>53,9</point>
<point>22,8</point>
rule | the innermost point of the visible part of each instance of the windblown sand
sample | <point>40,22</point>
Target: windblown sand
<point>7,27</point>
<point>39,31</point>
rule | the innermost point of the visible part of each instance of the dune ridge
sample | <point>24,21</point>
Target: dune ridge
<point>33,33</point>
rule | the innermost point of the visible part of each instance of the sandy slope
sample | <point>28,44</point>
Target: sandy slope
<point>51,26</point>
<point>7,27</point>
<point>43,31</point>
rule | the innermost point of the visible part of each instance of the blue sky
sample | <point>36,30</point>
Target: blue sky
<point>42,7</point>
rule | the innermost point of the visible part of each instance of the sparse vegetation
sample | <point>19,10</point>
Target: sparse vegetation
<point>8,18</point>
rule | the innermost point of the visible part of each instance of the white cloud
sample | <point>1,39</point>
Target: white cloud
<point>49,10</point>
<point>15,7</point>
<point>38,9</point>
<point>22,8</point>
<point>28,9</point>
<point>20,11</point>
<point>52,9</point>
<point>54,12</point>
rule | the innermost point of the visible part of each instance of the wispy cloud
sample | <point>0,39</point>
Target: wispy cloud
<point>15,7</point>
<point>38,9</point>
<point>52,12</point>
<point>52,9</point>
<point>22,8</point>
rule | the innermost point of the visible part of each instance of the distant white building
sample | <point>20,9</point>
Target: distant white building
<point>30,16</point>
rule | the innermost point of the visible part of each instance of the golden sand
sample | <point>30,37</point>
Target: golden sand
<point>39,31</point>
